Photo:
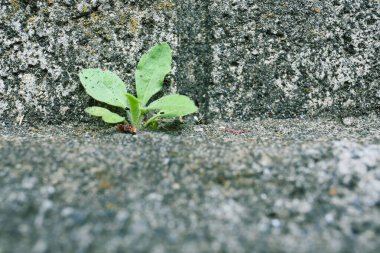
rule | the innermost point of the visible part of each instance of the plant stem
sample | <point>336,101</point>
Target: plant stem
<point>151,120</point>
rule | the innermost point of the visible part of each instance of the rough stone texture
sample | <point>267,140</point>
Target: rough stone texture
<point>195,53</point>
<point>43,47</point>
<point>237,59</point>
<point>281,186</point>
<point>286,58</point>
<point>296,185</point>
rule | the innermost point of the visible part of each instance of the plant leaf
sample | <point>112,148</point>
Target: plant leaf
<point>104,86</point>
<point>151,71</point>
<point>135,113</point>
<point>106,115</point>
<point>173,106</point>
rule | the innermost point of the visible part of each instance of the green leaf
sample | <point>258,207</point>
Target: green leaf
<point>135,113</point>
<point>106,115</point>
<point>151,71</point>
<point>104,86</point>
<point>173,106</point>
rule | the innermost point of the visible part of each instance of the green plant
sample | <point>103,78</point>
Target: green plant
<point>105,86</point>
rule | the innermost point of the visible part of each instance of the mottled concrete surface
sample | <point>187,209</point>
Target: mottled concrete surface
<point>238,59</point>
<point>43,47</point>
<point>286,58</point>
<point>261,186</point>
<point>250,185</point>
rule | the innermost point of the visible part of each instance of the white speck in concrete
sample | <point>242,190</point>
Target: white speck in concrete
<point>276,223</point>
<point>28,89</point>
<point>2,87</point>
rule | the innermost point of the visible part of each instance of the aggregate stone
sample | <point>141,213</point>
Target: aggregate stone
<point>237,59</point>
<point>44,45</point>
<point>282,58</point>
<point>292,185</point>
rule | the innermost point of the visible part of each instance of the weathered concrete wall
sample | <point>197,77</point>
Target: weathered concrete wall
<point>44,44</point>
<point>286,58</point>
<point>237,59</point>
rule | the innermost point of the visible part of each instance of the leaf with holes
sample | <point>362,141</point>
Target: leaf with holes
<point>107,116</point>
<point>104,86</point>
<point>151,71</point>
<point>172,106</point>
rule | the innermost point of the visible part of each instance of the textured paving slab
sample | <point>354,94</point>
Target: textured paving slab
<point>261,186</point>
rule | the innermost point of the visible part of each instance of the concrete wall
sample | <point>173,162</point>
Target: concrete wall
<point>285,58</point>
<point>238,59</point>
<point>43,47</point>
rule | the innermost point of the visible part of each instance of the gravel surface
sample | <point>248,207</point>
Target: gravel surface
<point>294,185</point>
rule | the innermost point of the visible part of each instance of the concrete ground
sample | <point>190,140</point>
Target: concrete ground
<point>296,185</point>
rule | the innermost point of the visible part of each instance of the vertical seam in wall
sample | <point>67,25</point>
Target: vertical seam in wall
<point>203,79</point>
<point>209,62</point>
